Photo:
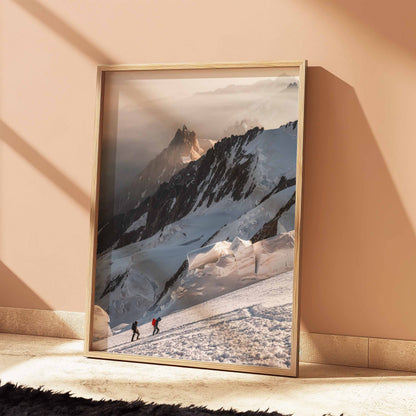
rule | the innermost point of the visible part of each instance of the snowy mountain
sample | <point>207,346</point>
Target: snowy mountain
<point>237,198</point>
<point>183,148</point>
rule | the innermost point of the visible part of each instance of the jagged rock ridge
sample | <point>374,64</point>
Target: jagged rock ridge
<point>224,170</point>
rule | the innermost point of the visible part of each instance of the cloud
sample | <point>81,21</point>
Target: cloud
<point>144,122</point>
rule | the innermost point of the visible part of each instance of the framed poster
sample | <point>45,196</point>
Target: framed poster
<point>195,225</point>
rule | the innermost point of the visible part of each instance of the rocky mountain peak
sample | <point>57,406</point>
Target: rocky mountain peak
<point>184,138</point>
<point>182,149</point>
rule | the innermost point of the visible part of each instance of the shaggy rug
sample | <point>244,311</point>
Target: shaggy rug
<point>26,401</point>
<point>21,401</point>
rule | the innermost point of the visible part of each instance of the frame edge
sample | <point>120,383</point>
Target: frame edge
<point>95,185</point>
<point>298,216</point>
<point>293,371</point>
<point>211,65</point>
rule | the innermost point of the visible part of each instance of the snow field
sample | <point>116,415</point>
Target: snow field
<point>249,326</point>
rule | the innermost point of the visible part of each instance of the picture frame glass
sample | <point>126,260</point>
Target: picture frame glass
<point>195,231</point>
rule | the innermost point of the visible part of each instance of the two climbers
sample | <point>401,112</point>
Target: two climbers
<point>155,323</point>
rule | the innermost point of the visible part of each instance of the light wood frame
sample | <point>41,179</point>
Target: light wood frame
<point>88,352</point>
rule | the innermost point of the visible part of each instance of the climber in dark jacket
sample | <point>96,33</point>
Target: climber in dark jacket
<point>135,331</point>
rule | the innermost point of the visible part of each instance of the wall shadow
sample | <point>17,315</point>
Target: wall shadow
<point>358,242</point>
<point>61,27</point>
<point>43,165</point>
<point>13,287</point>
<point>25,320</point>
<point>395,21</point>
<point>90,50</point>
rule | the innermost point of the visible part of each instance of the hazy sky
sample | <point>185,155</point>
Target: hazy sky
<point>141,115</point>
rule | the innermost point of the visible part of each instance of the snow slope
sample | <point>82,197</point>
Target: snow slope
<point>249,326</point>
<point>276,155</point>
<point>246,225</point>
<point>131,278</point>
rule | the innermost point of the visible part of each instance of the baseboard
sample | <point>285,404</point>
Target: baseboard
<point>388,354</point>
<point>59,324</point>
<point>392,354</point>
<point>382,353</point>
<point>333,349</point>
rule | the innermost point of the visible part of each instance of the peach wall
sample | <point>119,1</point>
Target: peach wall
<point>359,246</point>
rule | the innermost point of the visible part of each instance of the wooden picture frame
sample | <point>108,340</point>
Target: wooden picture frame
<point>196,215</point>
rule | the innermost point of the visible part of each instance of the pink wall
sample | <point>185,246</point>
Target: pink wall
<point>359,261</point>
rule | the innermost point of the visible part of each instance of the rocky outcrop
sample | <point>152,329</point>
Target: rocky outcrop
<point>283,184</point>
<point>115,229</point>
<point>101,327</point>
<point>270,228</point>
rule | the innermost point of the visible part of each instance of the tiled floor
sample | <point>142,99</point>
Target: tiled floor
<point>58,364</point>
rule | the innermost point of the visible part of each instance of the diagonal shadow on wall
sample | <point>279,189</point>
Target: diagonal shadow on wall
<point>64,30</point>
<point>43,165</point>
<point>90,50</point>
<point>30,320</point>
<point>394,21</point>
<point>10,281</point>
<point>358,242</point>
